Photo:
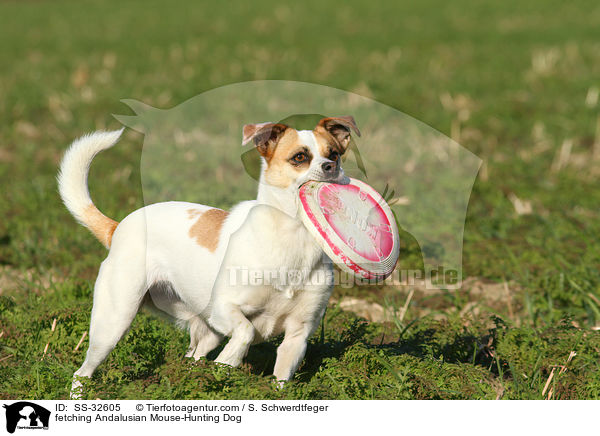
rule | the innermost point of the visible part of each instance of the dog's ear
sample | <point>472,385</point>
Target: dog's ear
<point>340,128</point>
<point>265,137</point>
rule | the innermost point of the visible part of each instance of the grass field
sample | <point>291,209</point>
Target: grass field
<point>517,83</point>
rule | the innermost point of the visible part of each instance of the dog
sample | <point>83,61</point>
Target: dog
<point>184,255</point>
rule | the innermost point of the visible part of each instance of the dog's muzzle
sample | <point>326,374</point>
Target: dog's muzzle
<point>330,169</point>
<point>326,171</point>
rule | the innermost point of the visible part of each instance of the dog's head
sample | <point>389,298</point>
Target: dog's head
<point>293,157</point>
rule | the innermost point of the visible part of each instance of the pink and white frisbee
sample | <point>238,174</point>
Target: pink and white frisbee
<point>354,226</point>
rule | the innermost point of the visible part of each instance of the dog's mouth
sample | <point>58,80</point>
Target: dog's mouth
<point>340,179</point>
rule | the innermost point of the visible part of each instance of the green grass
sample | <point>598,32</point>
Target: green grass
<point>510,81</point>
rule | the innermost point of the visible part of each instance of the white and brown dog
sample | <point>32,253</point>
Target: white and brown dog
<point>183,254</point>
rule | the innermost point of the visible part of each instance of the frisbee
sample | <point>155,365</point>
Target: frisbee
<point>354,225</point>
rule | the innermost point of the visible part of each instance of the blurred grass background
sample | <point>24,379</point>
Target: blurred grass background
<point>517,83</point>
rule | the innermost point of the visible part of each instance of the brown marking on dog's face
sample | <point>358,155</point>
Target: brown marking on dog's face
<point>339,128</point>
<point>329,147</point>
<point>265,136</point>
<point>100,225</point>
<point>290,158</point>
<point>207,228</point>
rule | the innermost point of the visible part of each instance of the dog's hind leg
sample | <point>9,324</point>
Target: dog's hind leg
<point>195,334</point>
<point>118,293</point>
<point>203,339</point>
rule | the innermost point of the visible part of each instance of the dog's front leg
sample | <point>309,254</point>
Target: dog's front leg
<point>242,334</point>
<point>291,351</point>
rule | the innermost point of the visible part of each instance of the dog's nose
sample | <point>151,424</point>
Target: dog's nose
<point>329,167</point>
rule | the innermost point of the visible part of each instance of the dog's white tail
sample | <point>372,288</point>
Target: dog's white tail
<point>73,186</point>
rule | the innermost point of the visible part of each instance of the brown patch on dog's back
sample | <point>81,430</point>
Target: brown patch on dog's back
<point>99,224</point>
<point>207,228</point>
<point>193,213</point>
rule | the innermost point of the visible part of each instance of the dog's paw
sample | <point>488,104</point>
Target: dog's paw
<point>230,360</point>
<point>278,384</point>
<point>226,363</point>
<point>76,389</point>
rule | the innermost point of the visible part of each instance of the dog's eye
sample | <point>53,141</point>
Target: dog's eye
<point>334,156</point>
<point>300,157</point>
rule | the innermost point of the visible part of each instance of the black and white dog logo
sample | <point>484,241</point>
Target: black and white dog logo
<point>26,415</point>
